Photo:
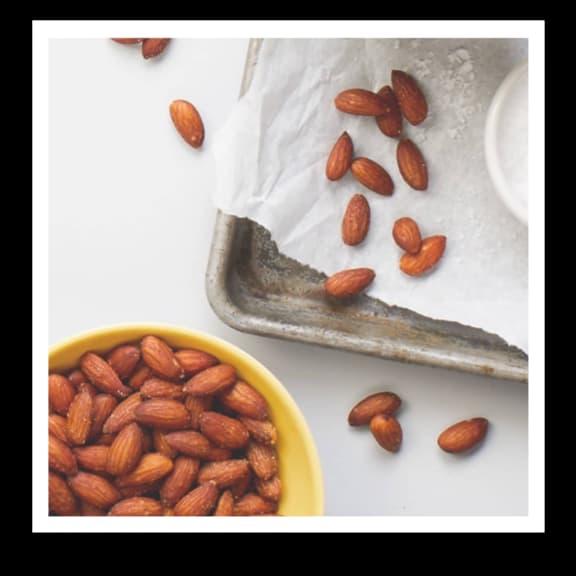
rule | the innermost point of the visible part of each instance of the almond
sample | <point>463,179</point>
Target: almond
<point>127,40</point>
<point>372,175</point>
<point>211,381</point>
<point>361,102</point>
<point>152,47</point>
<point>148,489</point>
<point>122,415</point>
<point>340,157</point>
<point>240,488</point>
<point>261,430</point>
<point>193,361</point>
<point>160,358</point>
<point>179,481</point>
<point>430,253</point>
<point>188,442</point>
<point>198,502</point>
<point>188,122</point>
<point>92,458</point>
<point>253,505</point>
<point>87,387</point>
<point>57,427</point>
<point>102,407</point>
<point>141,373</point>
<point>245,400</point>
<point>463,435</point>
<point>61,392</point>
<point>77,377</point>
<point>196,405</point>
<point>225,506</point>
<point>94,489</point>
<point>348,283</point>
<point>151,467</point>
<point>79,419</point>
<point>90,510</point>
<point>262,459</point>
<point>137,506</point>
<point>269,489</point>
<point>410,98</point>
<point>380,403</point>
<point>407,235</point>
<point>156,388</point>
<point>412,165</point>
<point>216,454</point>
<point>160,444</point>
<point>105,440</point>
<point>387,432</point>
<point>126,450</point>
<point>60,457</point>
<point>61,501</point>
<point>124,359</point>
<point>102,375</point>
<point>390,122</point>
<point>225,473</point>
<point>162,413</point>
<point>356,220</point>
<point>223,431</point>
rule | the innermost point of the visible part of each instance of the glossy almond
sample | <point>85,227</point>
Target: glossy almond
<point>180,481</point>
<point>410,98</point>
<point>160,444</point>
<point>245,400</point>
<point>463,435</point>
<point>151,467</point>
<point>430,253</point>
<point>124,359</point>
<point>223,431</point>
<point>162,413</point>
<point>270,489</point>
<point>253,505</point>
<point>390,122</point>
<point>195,406</point>
<point>262,459</point>
<point>157,388</point>
<point>160,358</point>
<point>387,432</point>
<point>61,501</point>
<point>379,403</point>
<point>262,431</point>
<point>211,381</point>
<point>57,427</point>
<point>137,506</point>
<point>152,47</point>
<point>356,221</point>
<point>225,473</point>
<point>188,442</point>
<point>412,165</point>
<point>102,375</point>
<point>122,415</point>
<point>102,407</point>
<point>340,157</point>
<point>361,102</point>
<point>141,373</point>
<point>193,361</point>
<point>126,450</point>
<point>198,502</point>
<point>407,235</point>
<point>77,377</point>
<point>79,419</point>
<point>348,283</point>
<point>94,489</point>
<point>217,454</point>
<point>371,175</point>
<point>241,487</point>
<point>61,457</point>
<point>92,458</point>
<point>61,392</point>
<point>225,505</point>
<point>146,489</point>
<point>188,122</point>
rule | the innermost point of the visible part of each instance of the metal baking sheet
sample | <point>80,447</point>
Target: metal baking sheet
<point>254,288</point>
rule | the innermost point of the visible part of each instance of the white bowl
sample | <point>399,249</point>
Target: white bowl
<point>506,141</point>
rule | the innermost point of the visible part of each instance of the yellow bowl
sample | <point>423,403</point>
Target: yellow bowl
<point>300,473</point>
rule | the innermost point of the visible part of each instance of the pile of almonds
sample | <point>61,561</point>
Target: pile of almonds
<point>146,431</point>
<point>151,47</point>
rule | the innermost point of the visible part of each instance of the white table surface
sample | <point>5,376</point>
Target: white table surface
<point>130,227</point>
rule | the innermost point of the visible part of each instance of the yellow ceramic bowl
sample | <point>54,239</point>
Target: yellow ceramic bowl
<point>303,493</point>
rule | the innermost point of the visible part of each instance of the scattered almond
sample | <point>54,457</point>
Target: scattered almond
<point>348,283</point>
<point>380,403</point>
<point>410,98</point>
<point>390,122</point>
<point>152,47</point>
<point>463,435</point>
<point>372,175</point>
<point>429,255</point>
<point>412,165</point>
<point>356,221</point>
<point>361,102</point>
<point>407,235</point>
<point>188,122</point>
<point>340,157</point>
<point>387,431</point>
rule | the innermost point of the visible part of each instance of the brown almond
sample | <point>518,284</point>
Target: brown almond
<point>196,405</point>
<point>225,505</point>
<point>147,489</point>
<point>262,459</point>
<point>188,122</point>
<point>371,175</point>
<point>429,255</point>
<point>193,361</point>
<point>124,359</point>
<point>126,450</point>
<point>90,510</point>
<point>261,430</point>
<point>223,431</point>
<point>102,406</point>
<point>151,467</point>
<point>79,419</point>
<point>141,373</point>
<point>243,485</point>
<point>127,40</point>
<point>253,505</point>
<point>366,409</point>
<point>225,473</point>
<point>198,502</point>
<point>356,221</point>
<point>211,381</point>
<point>161,446</point>
<point>348,283</point>
<point>102,375</point>
<point>407,235</point>
<point>270,489</point>
<point>216,454</point>
<point>87,387</point>
<point>61,501</point>
<point>463,435</point>
<point>61,392</point>
<point>390,122</point>
<point>179,482</point>
<point>105,440</point>
<point>77,377</point>
<point>188,442</point>
<point>152,47</point>
<point>122,415</point>
<point>340,157</point>
<point>92,458</point>
<point>387,432</point>
<point>156,388</point>
<point>94,489</point>
<point>160,358</point>
<point>57,427</point>
<point>162,413</point>
<point>410,98</point>
<point>245,400</point>
<point>137,506</point>
<point>361,102</point>
<point>412,164</point>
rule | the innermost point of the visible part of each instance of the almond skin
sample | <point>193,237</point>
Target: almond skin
<point>223,431</point>
<point>372,176</point>
<point>245,400</point>
<point>340,157</point>
<point>463,435</point>
<point>253,505</point>
<point>61,501</point>
<point>137,506</point>
<point>410,98</point>
<point>102,375</point>
<point>162,413</point>
<point>430,253</point>
<point>348,283</point>
<point>179,481</point>
<point>61,392</point>
<point>211,381</point>
<point>152,47</point>
<point>366,409</point>
<point>225,506</point>
<point>188,122</point>
<point>387,432</point>
<point>151,467</point>
<point>126,450</point>
<point>390,123</point>
<point>407,235</point>
<point>160,358</point>
<point>188,442</point>
<point>94,489</point>
<point>360,102</point>
<point>60,457</point>
<point>412,165</point>
<point>102,407</point>
<point>122,415</point>
<point>198,502</point>
<point>225,473</point>
<point>124,359</point>
<point>356,221</point>
<point>193,361</point>
<point>262,459</point>
<point>269,489</point>
<point>92,458</point>
<point>261,430</point>
<point>79,419</point>
<point>157,388</point>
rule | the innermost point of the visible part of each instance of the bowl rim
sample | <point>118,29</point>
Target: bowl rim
<point>151,328</point>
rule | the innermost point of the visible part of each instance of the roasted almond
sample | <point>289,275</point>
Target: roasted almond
<point>188,122</point>
<point>137,506</point>
<point>102,375</point>
<point>390,122</point>
<point>94,489</point>
<point>124,359</point>
<point>261,430</point>
<point>243,485</point>
<point>356,221</point>
<point>57,427</point>
<point>198,502</point>
<point>188,442</point>
<point>77,377</point>
<point>151,467</point>
<point>92,458</point>
<point>211,381</point>
<point>196,405</point>
<point>348,283</point>
<point>90,510</point>
<point>361,102</point>
<point>262,459</point>
<point>245,400</point>
<point>410,98</point>
<point>270,489</point>
<point>193,361</point>
<point>60,457</point>
<point>61,501</point>
<point>216,454</point>
<point>407,235</point>
<point>122,415</point>
<point>102,406</point>
<point>253,505</point>
<point>141,373</point>
<point>225,473</point>
<point>430,253</point>
<point>380,403</point>
<point>160,358</point>
<point>126,450</point>
<point>160,444</point>
<point>79,419</point>
<point>162,413</point>
<point>463,435</point>
<point>387,432</point>
<point>61,392</point>
<point>412,165</point>
<point>225,505</point>
<point>372,175</point>
<point>179,482</point>
<point>152,47</point>
<point>223,431</point>
<point>157,388</point>
<point>340,157</point>
<point>148,489</point>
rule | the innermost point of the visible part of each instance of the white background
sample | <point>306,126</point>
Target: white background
<point>130,226</point>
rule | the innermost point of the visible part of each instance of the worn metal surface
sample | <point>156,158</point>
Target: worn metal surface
<point>254,288</point>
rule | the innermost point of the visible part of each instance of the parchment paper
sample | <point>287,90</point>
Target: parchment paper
<point>273,149</point>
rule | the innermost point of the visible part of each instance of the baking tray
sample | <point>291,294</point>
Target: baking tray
<point>254,288</point>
